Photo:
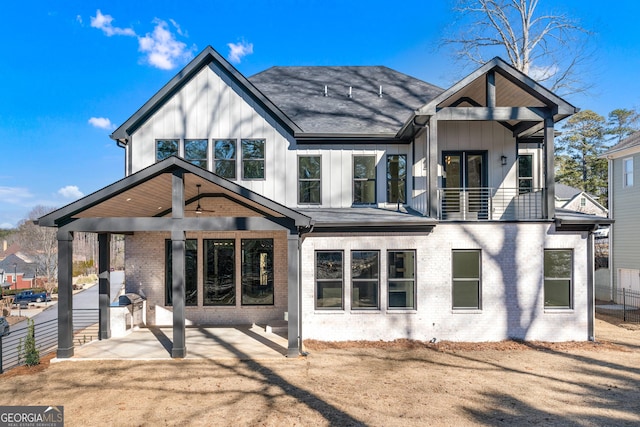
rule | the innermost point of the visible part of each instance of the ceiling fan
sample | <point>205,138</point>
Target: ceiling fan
<point>199,209</point>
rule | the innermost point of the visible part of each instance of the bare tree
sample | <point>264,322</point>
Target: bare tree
<point>549,47</point>
<point>40,242</point>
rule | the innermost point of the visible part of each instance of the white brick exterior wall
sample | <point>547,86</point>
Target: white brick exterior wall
<point>512,287</point>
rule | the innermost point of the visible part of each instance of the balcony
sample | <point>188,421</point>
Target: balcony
<point>490,204</point>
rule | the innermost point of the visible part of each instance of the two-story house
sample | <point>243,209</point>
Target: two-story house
<point>624,205</point>
<point>358,202</point>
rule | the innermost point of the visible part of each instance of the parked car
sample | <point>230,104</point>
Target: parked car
<point>25,297</point>
<point>4,326</point>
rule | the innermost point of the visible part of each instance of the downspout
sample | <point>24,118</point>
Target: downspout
<point>591,287</point>
<point>612,236</point>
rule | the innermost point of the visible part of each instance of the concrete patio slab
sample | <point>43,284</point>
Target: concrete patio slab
<point>238,342</point>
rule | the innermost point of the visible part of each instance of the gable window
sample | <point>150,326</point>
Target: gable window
<point>253,158</point>
<point>329,280</point>
<point>309,180</point>
<point>396,178</point>
<point>525,173</point>
<point>191,272</point>
<point>466,279</point>
<point>219,272</point>
<point>166,148</point>
<point>195,151</point>
<point>365,276</point>
<point>224,155</point>
<point>257,271</point>
<point>627,171</point>
<point>402,279</point>
<point>364,179</point>
<point>558,267</point>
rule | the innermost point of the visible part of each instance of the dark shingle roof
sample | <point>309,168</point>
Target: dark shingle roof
<point>631,141</point>
<point>565,191</point>
<point>299,93</point>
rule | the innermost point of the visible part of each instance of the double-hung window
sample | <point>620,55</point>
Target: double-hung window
<point>364,179</point>
<point>329,280</point>
<point>627,171</point>
<point>466,278</point>
<point>257,271</point>
<point>402,279</point>
<point>396,178</point>
<point>167,148</point>
<point>309,171</point>
<point>191,272</point>
<point>224,158</point>
<point>195,151</point>
<point>365,279</point>
<point>219,272</point>
<point>253,157</point>
<point>558,268</point>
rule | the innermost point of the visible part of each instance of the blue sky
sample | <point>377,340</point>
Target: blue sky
<point>72,71</point>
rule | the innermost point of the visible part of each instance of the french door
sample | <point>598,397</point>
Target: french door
<point>465,184</point>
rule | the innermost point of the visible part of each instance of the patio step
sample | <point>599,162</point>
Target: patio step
<point>276,326</point>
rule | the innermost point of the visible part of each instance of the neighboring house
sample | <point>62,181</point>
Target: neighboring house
<point>624,205</point>
<point>17,273</point>
<point>574,199</point>
<point>358,202</point>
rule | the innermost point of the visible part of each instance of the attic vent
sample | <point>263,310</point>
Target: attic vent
<point>380,92</point>
<point>350,93</point>
<point>325,91</point>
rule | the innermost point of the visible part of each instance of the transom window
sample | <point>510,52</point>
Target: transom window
<point>627,170</point>
<point>558,271</point>
<point>167,148</point>
<point>253,157</point>
<point>224,155</point>
<point>191,272</point>
<point>257,272</point>
<point>402,279</point>
<point>329,280</point>
<point>364,179</point>
<point>396,178</point>
<point>365,279</point>
<point>219,272</point>
<point>466,277</point>
<point>195,151</point>
<point>309,171</point>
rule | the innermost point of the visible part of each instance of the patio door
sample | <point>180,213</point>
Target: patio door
<point>465,184</point>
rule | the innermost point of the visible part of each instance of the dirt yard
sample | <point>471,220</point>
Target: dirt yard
<point>403,384</point>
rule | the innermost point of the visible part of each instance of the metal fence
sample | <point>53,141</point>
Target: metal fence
<point>624,305</point>
<point>85,329</point>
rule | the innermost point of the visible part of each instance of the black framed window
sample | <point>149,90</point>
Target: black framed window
<point>365,279</point>
<point>525,173</point>
<point>466,278</point>
<point>364,179</point>
<point>309,172</point>
<point>329,280</point>
<point>219,272</point>
<point>558,276</point>
<point>191,272</point>
<point>224,154</point>
<point>257,272</point>
<point>253,156</point>
<point>166,148</point>
<point>402,279</point>
<point>396,178</point>
<point>195,151</point>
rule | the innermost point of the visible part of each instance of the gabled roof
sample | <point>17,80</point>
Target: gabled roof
<point>513,89</point>
<point>208,57</point>
<point>625,147</point>
<point>373,100</point>
<point>148,193</point>
<point>566,192</point>
<point>21,266</point>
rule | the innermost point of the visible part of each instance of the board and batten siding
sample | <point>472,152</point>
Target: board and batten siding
<point>208,108</point>
<point>625,233</point>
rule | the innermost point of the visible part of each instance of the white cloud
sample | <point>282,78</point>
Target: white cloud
<point>239,50</point>
<point>161,47</point>
<point>543,73</point>
<point>79,19</point>
<point>101,122</point>
<point>15,195</point>
<point>70,192</point>
<point>103,22</point>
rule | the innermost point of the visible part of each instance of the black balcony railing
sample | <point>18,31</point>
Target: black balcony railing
<point>490,204</point>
